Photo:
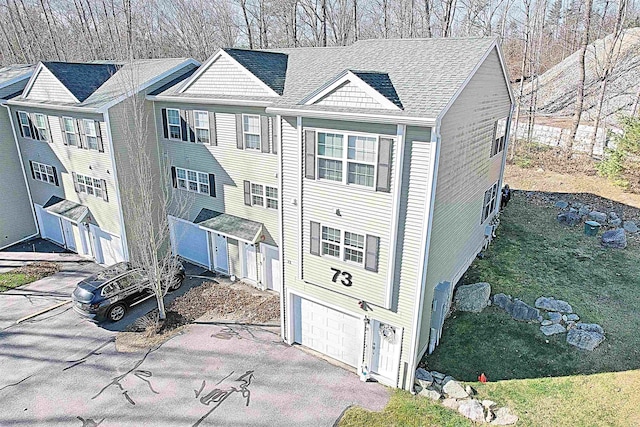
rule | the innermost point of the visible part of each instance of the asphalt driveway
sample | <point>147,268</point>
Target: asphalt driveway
<point>59,369</point>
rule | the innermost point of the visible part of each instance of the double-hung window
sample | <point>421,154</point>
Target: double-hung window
<point>264,195</point>
<point>499,139</point>
<point>201,125</point>
<point>174,123</point>
<point>196,182</point>
<point>89,185</point>
<point>490,200</point>
<point>42,127</point>
<point>90,134</point>
<point>25,124</point>
<point>272,197</point>
<point>343,245</point>
<point>43,172</point>
<point>350,159</point>
<point>69,131</point>
<point>251,131</point>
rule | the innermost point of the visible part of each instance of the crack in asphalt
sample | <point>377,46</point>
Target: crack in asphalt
<point>94,352</point>
<point>16,383</point>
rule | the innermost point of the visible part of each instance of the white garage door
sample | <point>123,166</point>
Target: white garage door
<point>107,246</point>
<point>328,331</point>
<point>50,227</point>
<point>190,242</point>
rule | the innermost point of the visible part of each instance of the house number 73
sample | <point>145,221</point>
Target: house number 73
<point>345,278</point>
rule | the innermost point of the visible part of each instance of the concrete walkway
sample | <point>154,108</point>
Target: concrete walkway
<point>35,250</point>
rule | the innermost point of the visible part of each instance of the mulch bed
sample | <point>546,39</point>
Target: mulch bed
<point>38,270</point>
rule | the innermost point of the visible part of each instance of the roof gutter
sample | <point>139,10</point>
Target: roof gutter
<point>353,117</point>
<point>209,101</point>
<point>69,108</point>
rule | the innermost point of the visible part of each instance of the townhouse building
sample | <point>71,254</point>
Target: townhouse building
<point>17,220</point>
<point>69,123</point>
<point>360,182</point>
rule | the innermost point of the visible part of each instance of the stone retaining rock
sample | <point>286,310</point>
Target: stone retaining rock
<point>423,378</point>
<point>630,227</point>
<point>555,317</point>
<point>573,317</point>
<point>504,417</point>
<point>584,211</point>
<point>590,327</point>
<point>519,310</point>
<point>453,388</point>
<point>600,217</point>
<point>569,218</point>
<point>616,239</point>
<point>473,298</point>
<point>584,340</point>
<point>472,409</point>
<point>553,329</point>
<point>552,304</point>
<point>430,394</point>
<point>561,204</point>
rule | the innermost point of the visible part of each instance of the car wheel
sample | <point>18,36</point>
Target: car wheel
<point>116,312</point>
<point>179,279</point>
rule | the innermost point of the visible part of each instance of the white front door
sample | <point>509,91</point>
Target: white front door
<point>385,350</point>
<point>69,235</point>
<point>250,267</point>
<point>271,273</point>
<point>221,258</point>
<point>328,331</point>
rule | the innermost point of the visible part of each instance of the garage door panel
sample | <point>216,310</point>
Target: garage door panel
<point>329,331</point>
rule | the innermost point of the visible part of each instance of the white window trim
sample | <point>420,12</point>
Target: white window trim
<point>93,185</point>
<point>90,132</point>
<point>37,164</point>
<point>345,160</point>
<point>187,180</point>
<point>343,246</point>
<point>23,126</point>
<point>264,195</point>
<point>179,125</point>
<point>65,132</point>
<point>259,134</point>
<point>196,127</point>
<point>499,148</point>
<point>492,200</point>
<point>45,128</point>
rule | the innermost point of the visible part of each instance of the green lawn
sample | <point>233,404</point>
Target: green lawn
<point>545,383</point>
<point>26,274</point>
<point>13,280</point>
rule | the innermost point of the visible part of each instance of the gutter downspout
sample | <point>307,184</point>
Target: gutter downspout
<point>24,174</point>
<point>504,156</point>
<point>112,154</point>
<point>435,137</point>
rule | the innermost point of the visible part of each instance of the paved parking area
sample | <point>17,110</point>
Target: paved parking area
<point>59,369</point>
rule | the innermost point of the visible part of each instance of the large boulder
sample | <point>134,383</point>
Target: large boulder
<point>569,218</point>
<point>423,378</point>
<point>519,310</point>
<point>472,409</point>
<point>614,239</point>
<point>584,211</point>
<point>502,301</point>
<point>584,340</point>
<point>504,417</point>
<point>473,298</point>
<point>430,393</point>
<point>552,329</point>
<point>562,204</point>
<point>555,317</point>
<point>600,217</point>
<point>590,327</point>
<point>552,304</point>
<point>630,227</point>
<point>453,388</point>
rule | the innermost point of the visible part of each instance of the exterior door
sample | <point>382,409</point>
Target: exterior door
<point>385,350</point>
<point>221,258</point>
<point>69,235</point>
<point>271,274</point>
<point>328,331</point>
<point>251,269</point>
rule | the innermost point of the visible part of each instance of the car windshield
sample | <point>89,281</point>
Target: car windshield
<point>112,271</point>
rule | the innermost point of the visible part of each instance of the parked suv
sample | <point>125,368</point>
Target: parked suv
<point>110,293</point>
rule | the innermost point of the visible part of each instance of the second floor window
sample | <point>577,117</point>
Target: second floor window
<point>174,123</point>
<point>264,195</point>
<point>490,200</point>
<point>89,185</point>
<point>44,173</point>
<point>499,138</point>
<point>25,124</point>
<point>349,159</point>
<point>201,125</point>
<point>344,245</point>
<point>194,181</point>
<point>42,127</point>
<point>251,131</point>
<point>69,131</point>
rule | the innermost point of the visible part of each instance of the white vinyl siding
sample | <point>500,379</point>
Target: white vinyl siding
<point>194,181</point>
<point>251,131</point>
<point>174,124</point>
<point>44,173</point>
<point>347,158</point>
<point>201,126</point>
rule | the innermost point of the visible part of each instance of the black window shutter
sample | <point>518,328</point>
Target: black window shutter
<point>274,135</point>
<point>212,185</point>
<point>99,137</point>
<point>247,193</point>
<point>371,257</point>
<point>63,133</point>
<point>174,178</point>
<point>239,132</point>
<point>19,124</point>
<point>384,165</point>
<point>165,126</point>
<point>105,196</point>
<point>264,134</point>
<point>183,125</point>
<point>33,174</point>
<point>191,123</point>
<point>55,176</point>
<point>75,182</point>
<point>310,154</point>
<point>213,137</point>
<point>314,241</point>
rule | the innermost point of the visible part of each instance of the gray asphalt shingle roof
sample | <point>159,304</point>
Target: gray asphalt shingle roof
<point>231,225</point>
<point>270,67</point>
<point>425,74</point>
<point>66,208</point>
<point>10,72</point>
<point>82,79</point>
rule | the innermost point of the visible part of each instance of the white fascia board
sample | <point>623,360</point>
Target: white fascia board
<point>209,101</point>
<point>353,117</point>
<point>505,71</point>
<point>215,57</point>
<point>35,75</point>
<point>58,107</point>
<point>351,77</point>
<point>148,84</point>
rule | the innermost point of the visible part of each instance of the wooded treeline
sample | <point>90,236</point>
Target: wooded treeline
<point>541,31</point>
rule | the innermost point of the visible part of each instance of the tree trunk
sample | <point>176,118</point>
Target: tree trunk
<point>523,69</point>
<point>243,3</point>
<point>581,79</point>
<point>324,23</point>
